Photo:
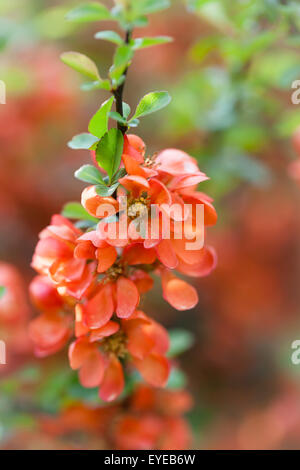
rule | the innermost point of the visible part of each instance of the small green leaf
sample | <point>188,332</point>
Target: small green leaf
<point>89,174</point>
<point>89,12</point>
<point>119,81</point>
<point>96,85</point>
<point>98,125</point>
<point>117,117</point>
<point>151,103</point>
<point>134,123</point>
<point>141,22</point>
<point>146,7</point>
<point>105,191</point>
<point>142,43</point>
<point>109,151</point>
<point>122,59</point>
<point>177,379</point>
<point>2,291</point>
<point>74,210</point>
<point>81,63</point>
<point>82,141</point>
<point>180,341</point>
<point>111,36</point>
<point>126,110</point>
<point>120,173</point>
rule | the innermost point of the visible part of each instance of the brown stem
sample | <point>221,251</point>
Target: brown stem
<point>118,93</point>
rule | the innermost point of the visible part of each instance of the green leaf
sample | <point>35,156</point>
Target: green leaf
<point>126,110</point>
<point>142,43</point>
<point>82,141</point>
<point>96,85</point>
<point>119,81</point>
<point>146,7</point>
<point>111,36</point>
<point>180,341</point>
<point>74,210</point>
<point>140,22</point>
<point>119,174</point>
<point>2,291</point>
<point>151,103</point>
<point>105,191</point>
<point>122,59</point>
<point>89,174</point>
<point>109,151</point>
<point>92,11</point>
<point>177,379</point>
<point>98,125</point>
<point>134,123</point>
<point>117,117</point>
<point>81,63</point>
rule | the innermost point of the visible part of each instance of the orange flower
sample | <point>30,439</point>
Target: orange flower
<point>14,307</point>
<point>177,292</point>
<point>178,169</point>
<point>148,342</point>
<point>50,332</point>
<point>152,432</point>
<point>120,296</point>
<point>133,157</point>
<point>175,168</point>
<point>93,203</point>
<point>180,174</point>
<point>92,245</point>
<point>168,402</point>
<point>141,340</point>
<point>44,295</point>
<point>54,257</point>
<point>153,421</point>
<point>141,195</point>
<point>79,417</point>
<point>14,316</point>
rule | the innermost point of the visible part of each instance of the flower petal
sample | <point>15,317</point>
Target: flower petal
<point>49,333</point>
<point>134,184</point>
<point>84,250</point>
<point>166,254</point>
<point>44,294</point>
<point>159,193</point>
<point>175,162</point>
<point>137,254</point>
<point>93,203</point>
<point>135,147</point>
<point>98,311</point>
<point>154,369</point>
<point>92,370</point>
<point>107,330</point>
<point>127,297</point>
<point>139,342</point>
<point>142,280</point>
<point>178,293</point>
<point>160,337</point>
<point>78,352</point>
<point>106,257</point>
<point>203,267</point>
<point>113,381</point>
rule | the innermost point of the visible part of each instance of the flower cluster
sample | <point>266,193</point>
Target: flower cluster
<point>89,284</point>
<point>14,317</point>
<point>150,419</point>
<point>140,216</point>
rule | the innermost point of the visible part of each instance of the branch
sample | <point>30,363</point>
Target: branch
<point>118,93</point>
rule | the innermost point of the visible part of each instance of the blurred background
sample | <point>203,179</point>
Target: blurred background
<point>230,72</point>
